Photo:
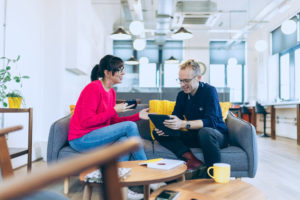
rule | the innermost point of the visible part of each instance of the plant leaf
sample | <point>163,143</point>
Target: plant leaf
<point>8,67</point>
<point>4,104</point>
<point>25,77</point>
<point>18,58</point>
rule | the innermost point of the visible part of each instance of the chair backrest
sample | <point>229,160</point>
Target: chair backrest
<point>106,158</point>
<point>260,109</point>
<point>5,162</point>
<point>58,138</point>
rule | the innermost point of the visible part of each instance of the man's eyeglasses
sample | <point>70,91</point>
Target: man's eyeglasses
<point>185,81</point>
<point>121,69</point>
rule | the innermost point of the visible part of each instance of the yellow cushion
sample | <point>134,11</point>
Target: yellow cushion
<point>160,107</point>
<point>225,109</point>
<point>72,108</point>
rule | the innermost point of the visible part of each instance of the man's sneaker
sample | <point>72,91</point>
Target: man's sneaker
<point>155,186</point>
<point>131,195</point>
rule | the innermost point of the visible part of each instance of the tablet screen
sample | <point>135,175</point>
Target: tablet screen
<point>158,120</point>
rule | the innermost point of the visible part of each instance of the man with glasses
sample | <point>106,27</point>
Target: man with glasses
<point>198,110</point>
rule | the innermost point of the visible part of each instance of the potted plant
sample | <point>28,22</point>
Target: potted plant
<point>6,76</point>
<point>14,99</point>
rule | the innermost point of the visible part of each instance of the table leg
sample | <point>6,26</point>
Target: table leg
<point>273,123</point>
<point>298,124</point>
<point>181,179</point>
<point>146,192</point>
<point>124,192</point>
<point>87,192</point>
<point>66,185</point>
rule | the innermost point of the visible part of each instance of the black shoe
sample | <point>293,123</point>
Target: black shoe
<point>196,173</point>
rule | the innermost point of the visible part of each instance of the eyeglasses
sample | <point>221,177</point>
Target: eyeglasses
<point>121,69</point>
<point>185,81</point>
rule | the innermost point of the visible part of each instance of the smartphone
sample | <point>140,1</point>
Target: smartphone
<point>168,195</point>
<point>131,102</point>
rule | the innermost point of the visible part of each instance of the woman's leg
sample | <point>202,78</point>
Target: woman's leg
<point>108,135</point>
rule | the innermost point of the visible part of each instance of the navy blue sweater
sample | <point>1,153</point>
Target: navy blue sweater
<point>203,105</point>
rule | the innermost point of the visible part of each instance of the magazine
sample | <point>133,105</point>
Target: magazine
<point>164,164</point>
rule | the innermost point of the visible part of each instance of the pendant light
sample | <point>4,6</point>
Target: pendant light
<point>172,60</point>
<point>182,34</point>
<point>288,27</point>
<point>131,61</point>
<point>120,33</point>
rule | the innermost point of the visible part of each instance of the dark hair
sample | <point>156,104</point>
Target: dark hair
<point>109,63</point>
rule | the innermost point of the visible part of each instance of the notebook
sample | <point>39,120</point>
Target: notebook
<point>165,164</point>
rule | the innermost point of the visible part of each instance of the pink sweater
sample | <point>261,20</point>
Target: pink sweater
<point>95,109</point>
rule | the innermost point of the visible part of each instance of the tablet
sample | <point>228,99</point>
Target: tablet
<point>158,120</point>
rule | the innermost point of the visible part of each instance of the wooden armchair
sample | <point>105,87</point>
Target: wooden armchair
<point>106,158</point>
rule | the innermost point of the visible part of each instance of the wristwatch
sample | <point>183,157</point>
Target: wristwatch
<point>188,125</point>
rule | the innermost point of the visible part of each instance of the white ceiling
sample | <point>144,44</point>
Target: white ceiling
<point>231,16</point>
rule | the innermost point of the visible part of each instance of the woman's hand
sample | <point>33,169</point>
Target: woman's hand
<point>123,107</point>
<point>173,123</point>
<point>144,114</point>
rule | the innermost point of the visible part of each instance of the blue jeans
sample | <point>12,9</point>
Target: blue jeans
<point>108,135</point>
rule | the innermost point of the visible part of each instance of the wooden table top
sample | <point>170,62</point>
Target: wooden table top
<point>141,175</point>
<point>207,189</point>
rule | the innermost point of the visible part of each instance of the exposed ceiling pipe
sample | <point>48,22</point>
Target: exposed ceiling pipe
<point>163,20</point>
<point>260,17</point>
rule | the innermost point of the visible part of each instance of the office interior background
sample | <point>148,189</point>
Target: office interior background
<point>247,55</point>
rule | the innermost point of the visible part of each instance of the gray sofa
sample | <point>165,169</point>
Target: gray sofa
<point>241,152</point>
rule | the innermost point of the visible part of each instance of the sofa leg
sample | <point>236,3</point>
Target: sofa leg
<point>238,178</point>
<point>66,185</point>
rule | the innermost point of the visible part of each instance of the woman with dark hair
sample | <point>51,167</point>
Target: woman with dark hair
<point>95,121</point>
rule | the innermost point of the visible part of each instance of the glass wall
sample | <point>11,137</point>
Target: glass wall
<point>226,76</point>
<point>151,76</point>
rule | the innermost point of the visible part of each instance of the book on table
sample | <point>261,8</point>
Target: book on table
<point>164,164</point>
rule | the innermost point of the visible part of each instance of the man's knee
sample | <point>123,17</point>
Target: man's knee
<point>206,134</point>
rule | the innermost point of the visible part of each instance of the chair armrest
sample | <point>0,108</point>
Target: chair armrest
<point>243,135</point>
<point>106,156</point>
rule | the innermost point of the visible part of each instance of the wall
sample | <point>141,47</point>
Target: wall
<point>264,75</point>
<point>50,35</point>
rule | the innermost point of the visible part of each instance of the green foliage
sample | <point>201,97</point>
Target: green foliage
<point>6,76</point>
<point>15,93</point>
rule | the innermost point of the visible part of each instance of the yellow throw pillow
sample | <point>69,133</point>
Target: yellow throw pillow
<point>72,108</point>
<point>225,109</point>
<point>164,107</point>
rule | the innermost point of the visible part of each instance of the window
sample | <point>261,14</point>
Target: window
<point>170,75</point>
<point>228,79</point>
<point>153,75</point>
<point>297,74</point>
<point>217,75</point>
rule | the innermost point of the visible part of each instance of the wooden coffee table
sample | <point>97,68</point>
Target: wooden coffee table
<point>207,189</point>
<point>140,175</point>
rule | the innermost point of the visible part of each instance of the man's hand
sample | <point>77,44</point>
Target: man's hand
<point>123,107</point>
<point>174,123</point>
<point>144,114</point>
<point>160,132</point>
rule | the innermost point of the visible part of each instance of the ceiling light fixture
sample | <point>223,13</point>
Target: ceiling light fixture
<point>232,61</point>
<point>172,60</point>
<point>144,60</point>
<point>260,45</point>
<point>139,44</point>
<point>120,34</point>
<point>136,27</point>
<point>131,61</point>
<point>182,34</point>
<point>288,27</point>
